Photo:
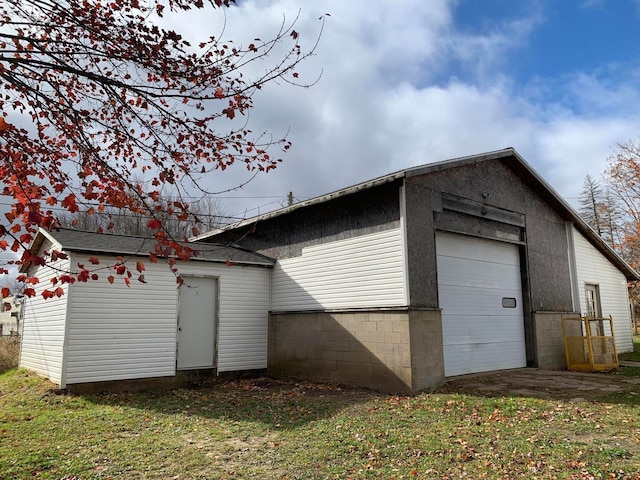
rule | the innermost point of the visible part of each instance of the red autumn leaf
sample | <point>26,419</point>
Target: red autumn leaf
<point>154,224</point>
<point>229,263</point>
<point>110,279</point>
<point>34,218</point>
<point>69,202</point>
<point>127,281</point>
<point>94,261</point>
<point>5,292</point>
<point>55,255</point>
<point>139,266</point>
<point>29,292</point>
<point>141,279</point>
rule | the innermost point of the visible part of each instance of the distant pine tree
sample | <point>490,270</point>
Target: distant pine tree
<point>591,204</point>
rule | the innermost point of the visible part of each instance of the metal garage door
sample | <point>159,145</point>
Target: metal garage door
<point>480,293</point>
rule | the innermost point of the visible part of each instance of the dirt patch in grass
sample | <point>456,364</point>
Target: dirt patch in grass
<point>549,384</point>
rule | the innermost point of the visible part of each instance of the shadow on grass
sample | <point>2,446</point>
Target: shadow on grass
<point>285,403</point>
<point>272,402</point>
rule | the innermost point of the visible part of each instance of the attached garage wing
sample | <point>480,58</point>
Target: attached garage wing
<point>480,293</point>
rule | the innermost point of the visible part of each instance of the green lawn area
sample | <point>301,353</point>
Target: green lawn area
<point>635,355</point>
<point>286,430</point>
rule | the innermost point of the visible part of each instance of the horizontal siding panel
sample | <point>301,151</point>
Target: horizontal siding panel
<point>594,268</point>
<point>118,332</point>
<point>117,374</point>
<point>364,271</point>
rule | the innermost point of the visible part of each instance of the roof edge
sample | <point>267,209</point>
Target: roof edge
<point>418,170</point>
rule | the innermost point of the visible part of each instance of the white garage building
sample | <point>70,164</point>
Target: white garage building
<point>462,266</point>
<point>397,283</point>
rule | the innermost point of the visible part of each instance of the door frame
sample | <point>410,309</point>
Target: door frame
<point>216,319</point>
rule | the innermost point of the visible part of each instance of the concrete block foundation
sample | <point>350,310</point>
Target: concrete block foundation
<point>549,339</point>
<point>387,350</point>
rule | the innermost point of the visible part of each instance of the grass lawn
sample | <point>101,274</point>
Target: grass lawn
<point>286,430</point>
<point>635,355</point>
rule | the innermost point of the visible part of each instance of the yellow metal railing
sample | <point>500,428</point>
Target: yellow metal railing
<point>589,344</point>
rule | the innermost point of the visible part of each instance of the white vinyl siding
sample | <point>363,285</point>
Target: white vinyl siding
<point>593,268</point>
<point>359,272</point>
<point>243,313</point>
<point>43,333</point>
<point>475,277</point>
<point>117,332</point>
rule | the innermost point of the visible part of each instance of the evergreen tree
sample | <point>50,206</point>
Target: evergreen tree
<point>591,204</point>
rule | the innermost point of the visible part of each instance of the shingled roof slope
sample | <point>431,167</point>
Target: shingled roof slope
<point>109,243</point>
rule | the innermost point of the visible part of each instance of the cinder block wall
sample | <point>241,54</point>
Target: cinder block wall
<point>392,351</point>
<point>549,340</point>
<point>371,348</point>
<point>427,354</point>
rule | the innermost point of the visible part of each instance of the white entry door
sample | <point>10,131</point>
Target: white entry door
<point>197,323</point>
<point>480,294</point>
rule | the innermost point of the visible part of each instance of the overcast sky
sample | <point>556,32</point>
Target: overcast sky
<point>411,82</point>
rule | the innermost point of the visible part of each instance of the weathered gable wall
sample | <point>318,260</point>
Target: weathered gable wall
<point>365,212</point>
<point>494,184</point>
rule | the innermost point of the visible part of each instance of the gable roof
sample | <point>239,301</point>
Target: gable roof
<point>130,245</point>
<point>510,157</point>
